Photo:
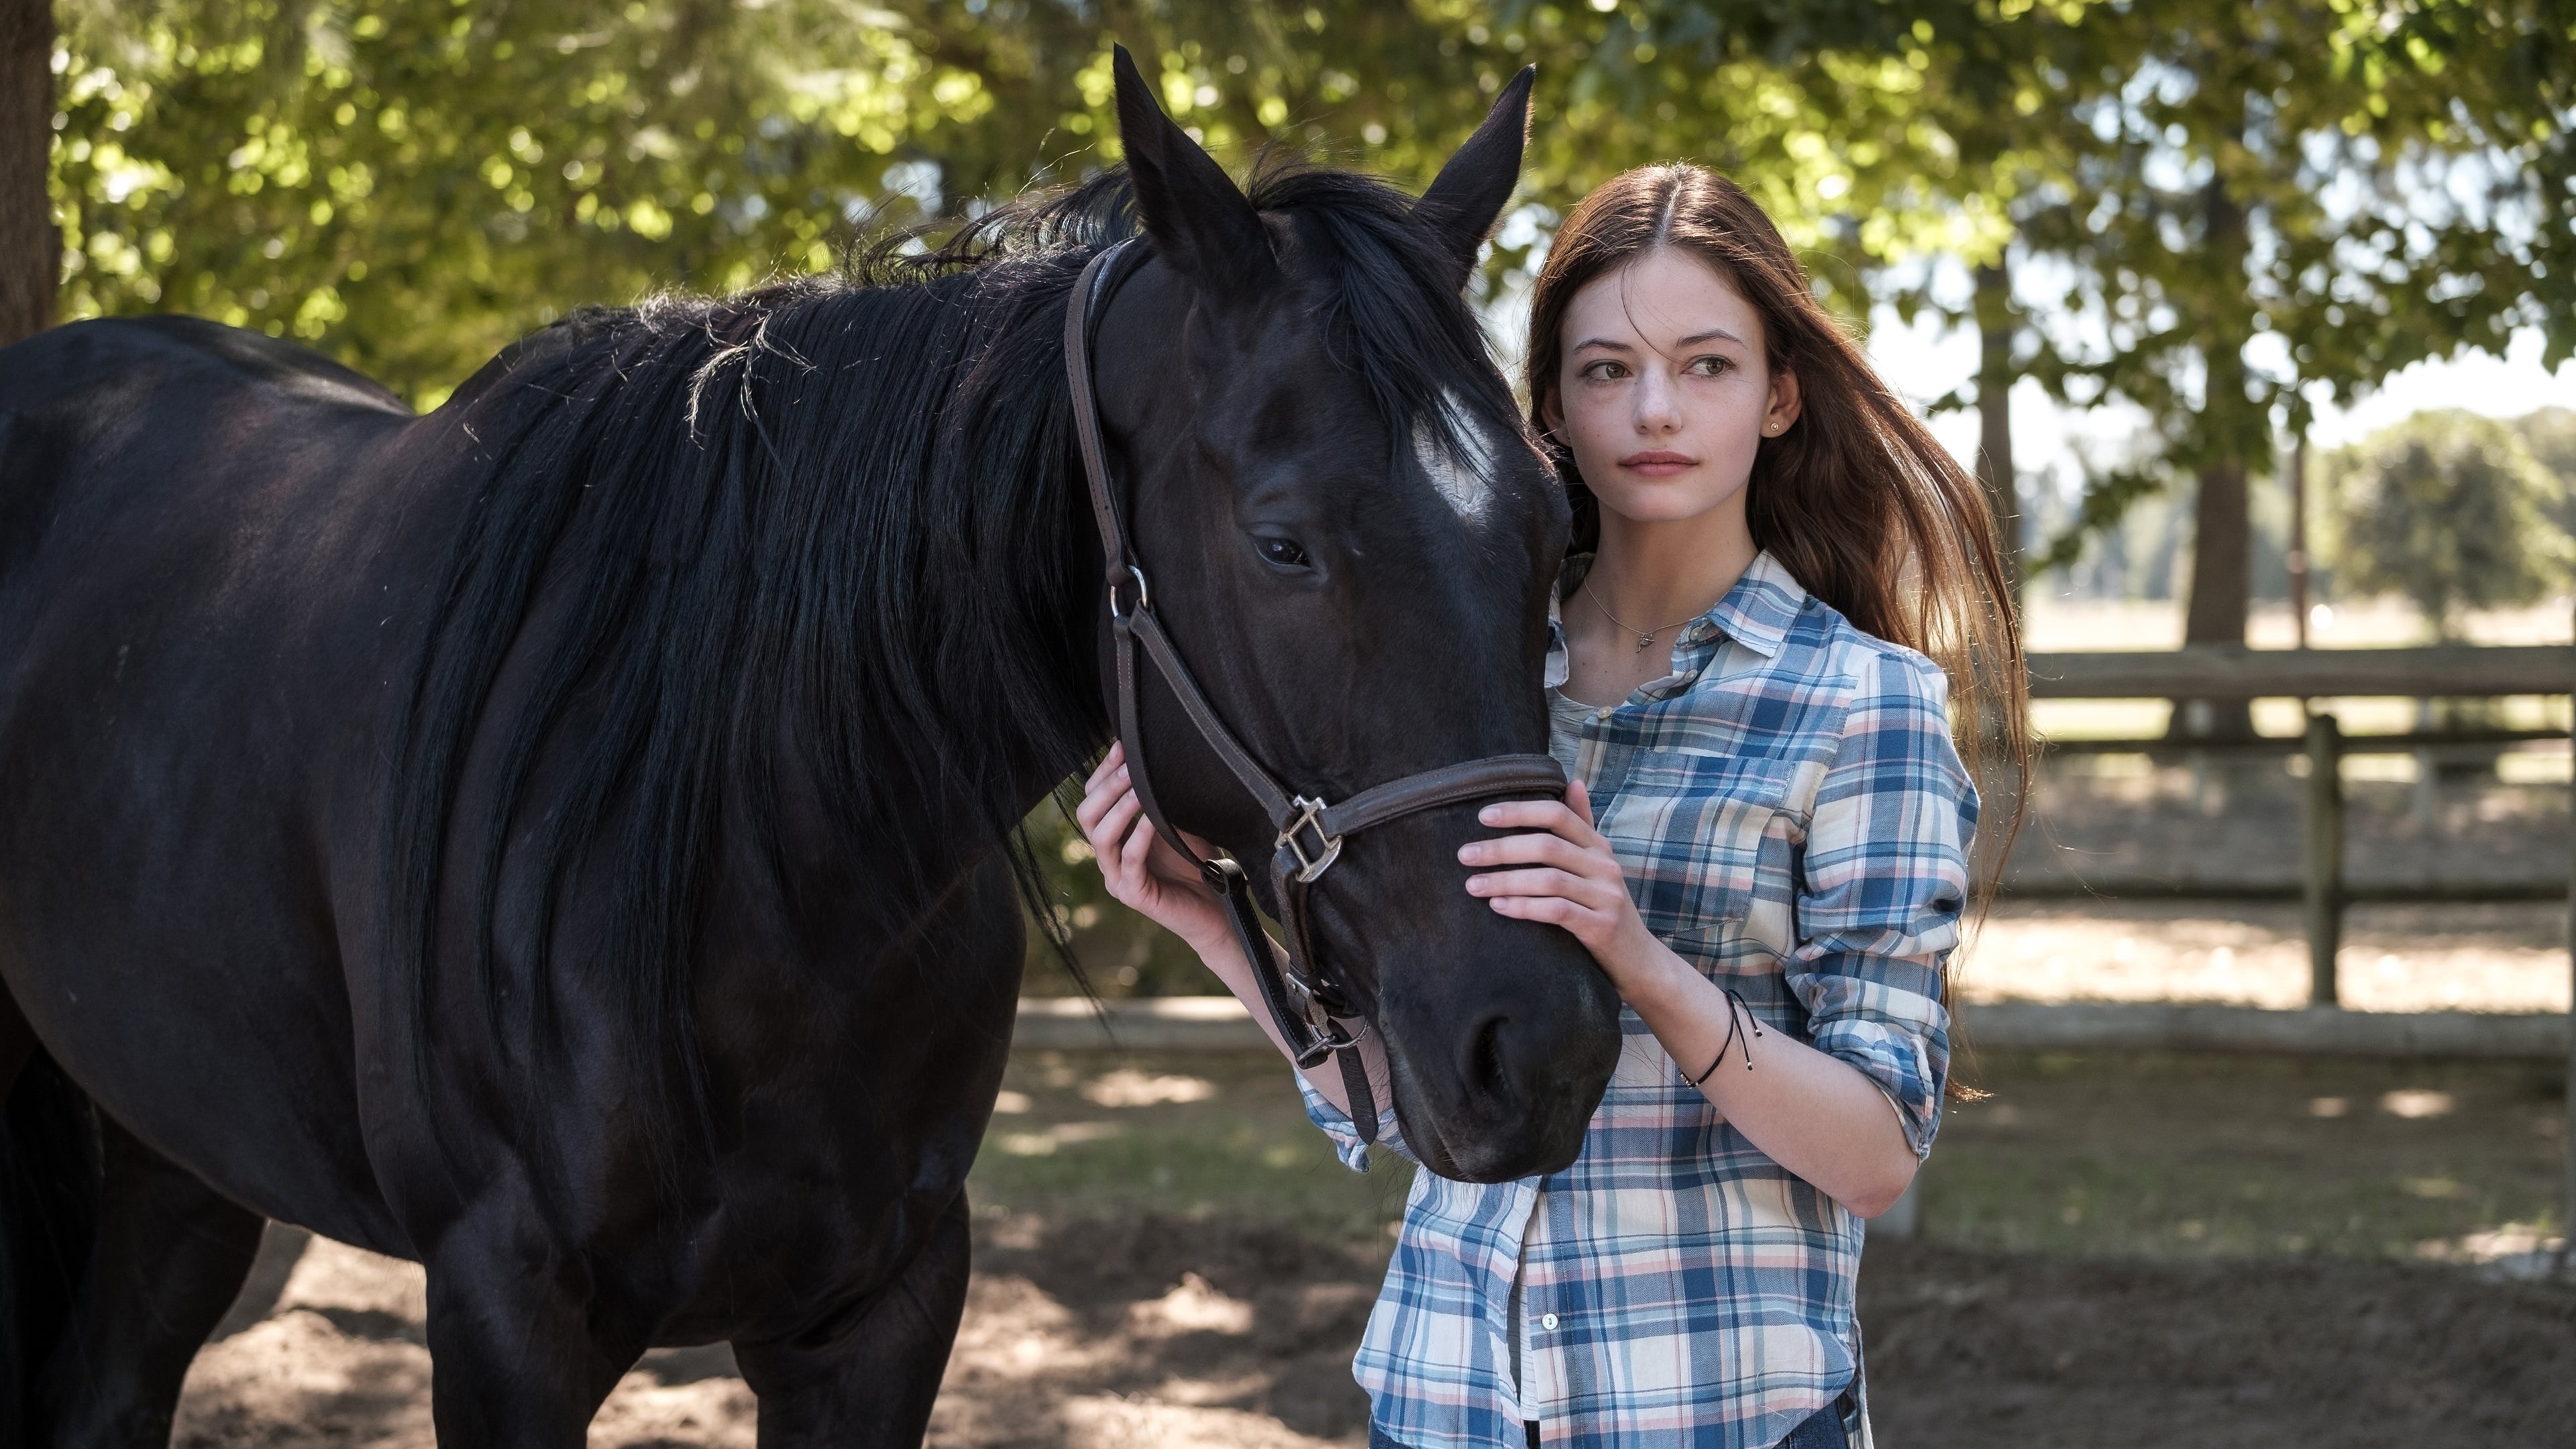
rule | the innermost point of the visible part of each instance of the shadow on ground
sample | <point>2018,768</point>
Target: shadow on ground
<point>1152,1331</point>
<point>2120,1252</point>
<point>1971,1348</point>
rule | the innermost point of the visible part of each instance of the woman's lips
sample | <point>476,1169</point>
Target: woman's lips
<point>1658,463</point>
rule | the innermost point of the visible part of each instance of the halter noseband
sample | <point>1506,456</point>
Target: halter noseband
<point>1308,1008</point>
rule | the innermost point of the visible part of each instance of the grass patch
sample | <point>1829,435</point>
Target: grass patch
<point>1199,1135</point>
<point>2197,1155</point>
<point>2089,1154</point>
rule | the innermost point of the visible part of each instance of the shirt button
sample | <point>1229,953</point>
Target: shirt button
<point>1547,1321</point>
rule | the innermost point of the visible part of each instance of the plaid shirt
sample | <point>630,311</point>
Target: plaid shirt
<point>1791,815</point>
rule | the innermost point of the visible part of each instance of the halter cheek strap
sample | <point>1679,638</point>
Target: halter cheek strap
<point>1305,1004</point>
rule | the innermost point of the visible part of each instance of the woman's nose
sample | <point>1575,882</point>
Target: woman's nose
<point>1658,408</point>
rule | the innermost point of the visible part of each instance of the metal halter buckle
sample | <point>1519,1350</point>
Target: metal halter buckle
<point>1144,595</point>
<point>1309,865</point>
<point>1311,1008</point>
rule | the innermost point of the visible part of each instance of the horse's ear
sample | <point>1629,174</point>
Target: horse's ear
<point>1198,218</point>
<point>1470,191</point>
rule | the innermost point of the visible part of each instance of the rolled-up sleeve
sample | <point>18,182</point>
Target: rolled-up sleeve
<point>1338,1126</point>
<point>1883,881</point>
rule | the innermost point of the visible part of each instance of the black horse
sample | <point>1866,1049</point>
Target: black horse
<point>565,839</point>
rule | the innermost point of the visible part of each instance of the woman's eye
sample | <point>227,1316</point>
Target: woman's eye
<point>1604,371</point>
<point>1283,552</point>
<point>1709,366</point>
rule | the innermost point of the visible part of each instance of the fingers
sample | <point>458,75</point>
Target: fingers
<point>1136,854</point>
<point>1108,765</point>
<point>1549,815</point>
<point>1552,910</point>
<point>1107,780</point>
<point>1553,850</point>
<point>1569,877</point>
<point>1579,800</point>
<point>1545,881</point>
<point>1104,789</point>
<point>1114,837</point>
<point>1095,802</point>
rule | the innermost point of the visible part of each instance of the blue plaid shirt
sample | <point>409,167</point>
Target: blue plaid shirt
<point>1791,815</point>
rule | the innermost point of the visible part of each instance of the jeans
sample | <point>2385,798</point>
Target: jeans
<point>1379,1438</point>
<point>1821,1430</point>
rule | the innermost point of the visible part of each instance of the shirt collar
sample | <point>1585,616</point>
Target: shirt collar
<point>1755,613</point>
<point>1759,610</point>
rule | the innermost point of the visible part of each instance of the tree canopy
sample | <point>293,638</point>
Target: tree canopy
<point>2219,211</point>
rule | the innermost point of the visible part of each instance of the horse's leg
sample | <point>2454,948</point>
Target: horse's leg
<point>872,1381</point>
<point>168,1259</point>
<point>522,1360</point>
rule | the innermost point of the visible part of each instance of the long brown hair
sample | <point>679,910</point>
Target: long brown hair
<point>1858,499</point>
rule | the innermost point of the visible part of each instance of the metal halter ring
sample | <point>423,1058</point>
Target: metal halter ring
<point>1309,866</point>
<point>1144,595</point>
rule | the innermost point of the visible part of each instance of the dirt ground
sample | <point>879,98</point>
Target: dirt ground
<point>2116,1251</point>
<point>1156,1331</point>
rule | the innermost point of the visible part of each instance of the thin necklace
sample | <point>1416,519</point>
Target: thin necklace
<point>1644,639</point>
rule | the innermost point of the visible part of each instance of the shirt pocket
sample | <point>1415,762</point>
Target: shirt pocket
<point>1688,827</point>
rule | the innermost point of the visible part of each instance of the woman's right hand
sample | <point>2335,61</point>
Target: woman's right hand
<point>1143,872</point>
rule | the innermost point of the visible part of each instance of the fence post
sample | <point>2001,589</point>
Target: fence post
<point>2324,857</point>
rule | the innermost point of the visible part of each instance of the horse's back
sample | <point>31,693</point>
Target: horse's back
<point>197,529</point>
<point>138,354</point>
<point>122,414</point>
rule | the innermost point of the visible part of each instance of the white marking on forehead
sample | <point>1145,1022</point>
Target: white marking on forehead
<point>1467,483</point>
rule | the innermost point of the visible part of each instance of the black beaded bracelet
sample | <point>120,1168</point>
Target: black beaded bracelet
<point>1734,1025</point>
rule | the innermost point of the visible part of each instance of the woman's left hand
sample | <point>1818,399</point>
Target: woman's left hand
<point>1567,877</point>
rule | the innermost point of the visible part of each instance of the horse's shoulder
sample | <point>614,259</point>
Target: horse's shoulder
<point>177,350</point>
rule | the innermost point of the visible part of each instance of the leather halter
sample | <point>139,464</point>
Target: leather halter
<point>1306,1005</point>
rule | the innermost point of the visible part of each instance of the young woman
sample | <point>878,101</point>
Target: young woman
<point>1767,545</point>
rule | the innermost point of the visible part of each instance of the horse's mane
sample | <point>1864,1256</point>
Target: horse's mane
<point>839,516</point>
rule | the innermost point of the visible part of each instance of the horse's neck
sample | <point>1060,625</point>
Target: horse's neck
<point>936,813</point>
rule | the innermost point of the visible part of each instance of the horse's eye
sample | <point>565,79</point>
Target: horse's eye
<point>1283,552</point>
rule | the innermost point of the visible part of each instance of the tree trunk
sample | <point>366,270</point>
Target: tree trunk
<point>2222,573</point>
<point>30,251</point>
<point>1994,417</point>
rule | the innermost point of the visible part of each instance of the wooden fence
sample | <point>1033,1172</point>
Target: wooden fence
<point>2235,673</point>
<point>2230,674</point>
<point>1212,1023</point>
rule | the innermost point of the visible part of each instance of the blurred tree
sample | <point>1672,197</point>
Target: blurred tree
<point>2197,207</point>
<point>1119,952</point>
<point>28,247</point>
<point>2550,433</point>
<point>2283,201</point>
<point>414,182</point>
<point>2450,510</point>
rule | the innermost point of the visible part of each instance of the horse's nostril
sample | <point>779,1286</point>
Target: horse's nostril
<point>1482,1065</point>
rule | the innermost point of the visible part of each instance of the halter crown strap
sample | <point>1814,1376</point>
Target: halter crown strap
<point>1089,293</point>
<point>1302,1002</point>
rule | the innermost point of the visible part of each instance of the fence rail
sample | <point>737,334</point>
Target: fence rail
<point>2205,671</point>
<point>2229,672</point>
<point>2404,743</point>
<point>2439,672</point>
<point>2368,893</point>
